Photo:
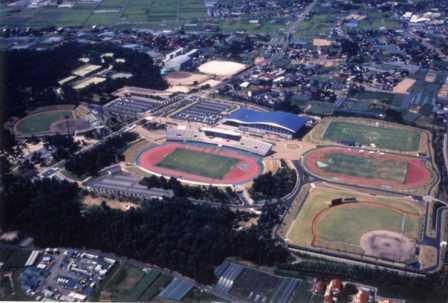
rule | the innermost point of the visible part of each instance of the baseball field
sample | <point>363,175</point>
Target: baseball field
<point>370,169</point>
<point>41,122</point>
<point>196,163</point>
<point>372,133</point>
<point>378,226</point>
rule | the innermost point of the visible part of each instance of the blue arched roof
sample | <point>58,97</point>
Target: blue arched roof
<point>284,120</point>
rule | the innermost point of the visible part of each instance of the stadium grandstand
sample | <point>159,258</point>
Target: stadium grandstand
<point>246,144</point>
<point>279,123</point>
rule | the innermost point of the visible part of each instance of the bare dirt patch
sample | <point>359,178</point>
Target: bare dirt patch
<point>403,86</point>
<point>221,68</point>
<point>389,245</point>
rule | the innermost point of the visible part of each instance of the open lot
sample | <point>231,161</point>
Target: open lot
<point>372,134</point>
<point>378,226</point>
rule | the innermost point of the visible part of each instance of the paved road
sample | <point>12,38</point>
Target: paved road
<point>292,28</point>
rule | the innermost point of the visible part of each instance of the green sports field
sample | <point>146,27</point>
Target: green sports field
<point>397,139</point>
<point>358,166</point>
<point>130,284</point>
<point>40,122</point>
<point>198,163</point>
<point>352,224</point>
<point>347,223</point>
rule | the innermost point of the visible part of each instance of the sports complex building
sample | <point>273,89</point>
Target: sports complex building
<point>279,123</point>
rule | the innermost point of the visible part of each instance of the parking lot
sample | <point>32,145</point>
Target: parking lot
<point>203,111</point>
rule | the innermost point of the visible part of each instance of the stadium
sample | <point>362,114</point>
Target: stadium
<point>378,170</point>
<point>280,123</point>
<point>339,221</point>
<point>199,146</point>
<point>51,120</point>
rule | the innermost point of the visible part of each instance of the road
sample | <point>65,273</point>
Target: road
<point>429,45</point>
<point>292,28</point>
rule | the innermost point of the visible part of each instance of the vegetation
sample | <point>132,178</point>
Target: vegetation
<point>274,186</point>
<point>210,193</point>
<point>31,76</point>
<point>89,162</point>
<point>176,234</point>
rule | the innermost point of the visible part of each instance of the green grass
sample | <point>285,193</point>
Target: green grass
<point>338,226</point>
<point>353,222</point>
<point>397,139</point>
<point>123,282</point>
<point>156,287</point>
<point>198,296</point>
<point>353,165</point>
<point>40,122</point>
<point>198,163</point>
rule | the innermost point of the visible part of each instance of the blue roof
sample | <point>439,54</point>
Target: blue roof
<point>283,120</point>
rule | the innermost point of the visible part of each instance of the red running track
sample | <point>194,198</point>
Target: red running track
<point>244,171</point>
<point>417,174</point>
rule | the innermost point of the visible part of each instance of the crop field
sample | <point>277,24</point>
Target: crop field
<point>198,163</point>
<point>365,167</point>
<point>377,226</point>
<point>40,122</point>
<point>129,284</point>
<point>109,12</point>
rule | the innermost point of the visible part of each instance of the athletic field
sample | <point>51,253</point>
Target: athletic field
<point>372,169</point>
<point>397,139</point>
<point>208,164</point>
<point>377,226</point>
<point>359,166</point>
<point>41,122</point>
<point>198,163</point>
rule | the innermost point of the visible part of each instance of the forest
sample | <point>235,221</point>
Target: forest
<point>89,162</point>
<point>30,77</point>
<point>191,239</point>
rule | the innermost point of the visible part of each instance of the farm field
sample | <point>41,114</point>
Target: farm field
<point>40,122</point>
<point>133,12</point>
<point>342,227</point>
<point>198,163</point>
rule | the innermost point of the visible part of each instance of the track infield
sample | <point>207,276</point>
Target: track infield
<point>370,169</point>
<point>207,165</point>
<point>376,226</point>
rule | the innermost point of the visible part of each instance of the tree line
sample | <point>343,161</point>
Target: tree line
<point>173,233</point>
<point>89,162</point>
<point>274,185</point>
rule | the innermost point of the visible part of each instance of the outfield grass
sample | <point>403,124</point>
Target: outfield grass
<point>198,163</point>
<point>40,122</point>
<point>351,222</point>
<point>398,139</point>
<point>359,166</point>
